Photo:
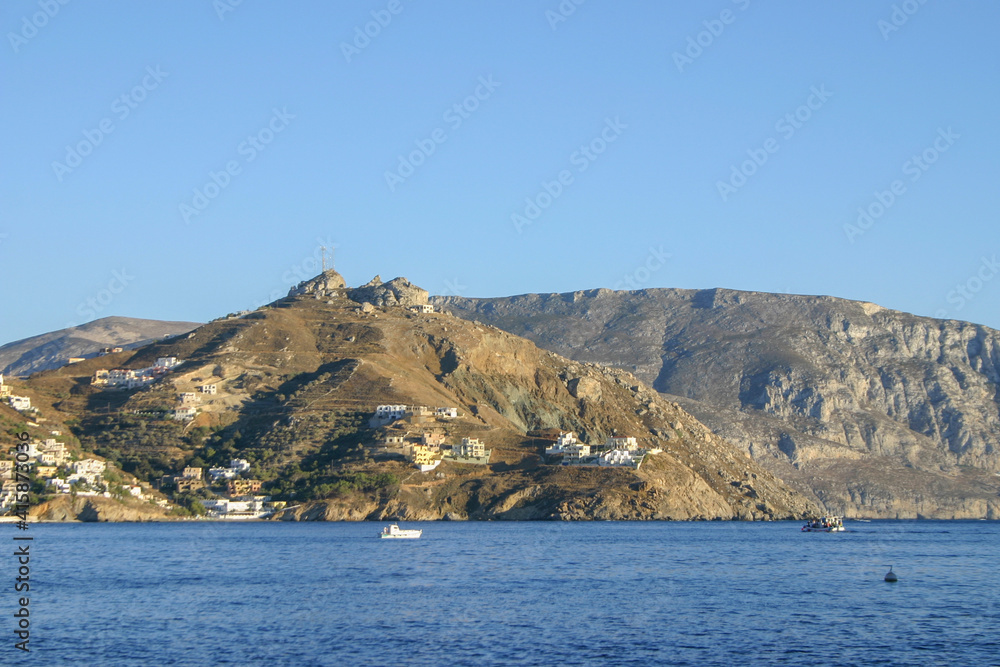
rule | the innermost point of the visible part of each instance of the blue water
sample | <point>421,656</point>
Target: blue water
<point>601,593</point>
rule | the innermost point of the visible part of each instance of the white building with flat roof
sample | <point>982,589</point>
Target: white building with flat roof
<point>575,452</point>
<point>184,413</point>
<point>621,442</point>
<point>621,457</point>
<point>89,466</point>
<point>469,447</point>
<point>391,412</point>
<point>562,442</point>
<point>21,403</point>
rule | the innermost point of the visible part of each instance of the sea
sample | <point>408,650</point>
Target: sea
<point>507,593</point>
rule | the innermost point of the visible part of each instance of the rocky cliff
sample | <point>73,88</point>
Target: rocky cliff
<point>96,509</point>
<point>396,292</point>
<point>871,411</point>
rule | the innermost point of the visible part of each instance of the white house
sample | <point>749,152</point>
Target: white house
<point>62,486</point>
<point>621,442</point>
<point>215,505</point>
<point>50,458</point>
<point>31,450</point>
<point>166,362</point>
<point>181,414</point>
<point>575,452</point>
<point>620,457</point>
<point>423,308</point>
<point>390,412</point>
<point>215,474</point>
<point>240,465</point>
<point>20,403</point>
<point>208,389</point>
<point>89,466</point>
<point>446,413</point>
<point>469,447</point>
<point>564,441</point>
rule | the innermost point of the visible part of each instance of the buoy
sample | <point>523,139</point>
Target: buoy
<point>890,576</point>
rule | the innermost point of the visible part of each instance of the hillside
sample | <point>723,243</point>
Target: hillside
<point>869,411</point>
<point>54,349</point>
<point>298,380</point>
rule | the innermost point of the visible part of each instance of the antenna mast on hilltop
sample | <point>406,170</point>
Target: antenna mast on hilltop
<point>323,249</point>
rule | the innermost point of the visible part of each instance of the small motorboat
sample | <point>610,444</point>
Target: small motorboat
<point>824,524</point>
<point>393,531</point>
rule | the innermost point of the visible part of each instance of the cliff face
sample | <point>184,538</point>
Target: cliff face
<point>871,411</point>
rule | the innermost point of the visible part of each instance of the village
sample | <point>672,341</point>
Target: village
<point>422,436</point>
<point>58,470</point>
<point>425,445</point>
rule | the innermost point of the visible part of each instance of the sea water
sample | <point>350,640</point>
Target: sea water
<point>499,593</point>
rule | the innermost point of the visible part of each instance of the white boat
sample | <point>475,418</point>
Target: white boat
<point>825,524</point>
<point>393,531</point>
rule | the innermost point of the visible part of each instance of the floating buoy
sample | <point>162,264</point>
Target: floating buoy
<point>890,576</point>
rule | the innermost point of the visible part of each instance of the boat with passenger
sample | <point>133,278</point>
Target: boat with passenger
<point>393,531</point>
<point>824,524</point>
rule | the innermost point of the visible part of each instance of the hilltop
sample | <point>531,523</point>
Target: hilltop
<point>296,382</point>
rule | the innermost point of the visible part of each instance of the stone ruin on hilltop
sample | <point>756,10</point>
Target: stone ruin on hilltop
<point>396,292</point>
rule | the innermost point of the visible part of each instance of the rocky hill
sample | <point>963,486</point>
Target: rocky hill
<point>869,411</point>
<point>54,349</point>
<point>298,381</point>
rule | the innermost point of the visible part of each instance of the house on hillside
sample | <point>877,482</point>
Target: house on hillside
<point>576,452</point>
<point>469,447</point>
<point>242,487</point>
<point>627,443</point>
<point>426,458</point>
<point>432,439</point>
<point>562,442</point>
<point>21,403</point>
<point>185,413</point>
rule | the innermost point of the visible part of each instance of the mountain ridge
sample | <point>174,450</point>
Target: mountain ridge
<point>55,348</point>
<point>808,385</point>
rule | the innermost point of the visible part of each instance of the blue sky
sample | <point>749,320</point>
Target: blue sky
<point>183,160</point>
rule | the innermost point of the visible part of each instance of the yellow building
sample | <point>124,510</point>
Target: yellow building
<point>425,457</point>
